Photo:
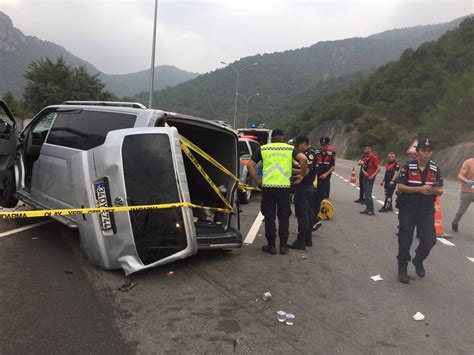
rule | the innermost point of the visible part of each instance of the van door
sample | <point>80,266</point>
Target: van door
<point>8,143</point>
<point>133,167</point>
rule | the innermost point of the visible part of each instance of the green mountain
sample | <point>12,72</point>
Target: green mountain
<point>428,91</point>
<point>282,78</point>
<point>17,51</point>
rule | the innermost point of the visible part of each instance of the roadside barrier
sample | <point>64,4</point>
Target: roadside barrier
<point>438,220</point>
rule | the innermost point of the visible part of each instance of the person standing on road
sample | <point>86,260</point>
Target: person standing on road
<point>328,189</point>
<point>325,165</point>
<point>303,194</point>
<point>466,176</point>
<point>370,169</point>
<point>392,169</point>
<point>361,198</point>
<point>277,158</point>
<point>419,183</point>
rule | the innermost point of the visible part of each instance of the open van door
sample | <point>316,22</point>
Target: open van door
<point>8,144</point>
<point>134,167</point>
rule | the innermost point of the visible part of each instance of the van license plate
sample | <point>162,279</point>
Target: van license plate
<point>102,202</point>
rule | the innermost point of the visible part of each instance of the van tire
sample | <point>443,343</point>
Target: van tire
<point>8,189</point>
<point>244,197</point>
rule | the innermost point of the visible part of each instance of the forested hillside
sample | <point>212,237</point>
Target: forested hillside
<point>428,91</point>
<point>17,51</point>
<point>283,79</point>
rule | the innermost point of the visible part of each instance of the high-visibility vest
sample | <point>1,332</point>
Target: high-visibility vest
<point>277,165</point>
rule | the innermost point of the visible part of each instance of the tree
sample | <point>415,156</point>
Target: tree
<point>17,106</point>
<point>50,83</point>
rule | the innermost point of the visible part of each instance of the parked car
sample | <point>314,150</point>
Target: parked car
<point>261,135</point>
<point>88,154</point>
<point>246,148</point>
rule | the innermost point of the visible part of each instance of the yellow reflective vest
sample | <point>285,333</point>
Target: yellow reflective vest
<point>277,161</point>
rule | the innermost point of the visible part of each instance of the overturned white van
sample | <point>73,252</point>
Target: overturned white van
<point>101,154</point>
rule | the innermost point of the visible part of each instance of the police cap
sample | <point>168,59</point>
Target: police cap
<point>277,132</point>
<point>324,140</point>
<point>424,143</point>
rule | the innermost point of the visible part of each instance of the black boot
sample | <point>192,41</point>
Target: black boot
<point>420,270</point>
<point>269,249</point>
<point>403,273</point>
<point>297,246</point>
<point>284,249</point>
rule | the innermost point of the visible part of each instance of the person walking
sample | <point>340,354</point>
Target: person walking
<point>325,165</point>
<point>361,163</point>
<point>419,183</point>
<point>466,176</point>
<point>303,193</point>
<point>277,158</point>
<point>392,169</point>
<point>370,169</point>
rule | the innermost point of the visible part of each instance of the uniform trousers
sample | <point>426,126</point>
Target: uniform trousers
<point>408,219</point>
<point>319,194</point>
<point>276,202</point>
<point>466,199</point>
<point>304,212</point>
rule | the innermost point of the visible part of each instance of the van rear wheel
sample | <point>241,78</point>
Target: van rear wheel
<point>8,189</point>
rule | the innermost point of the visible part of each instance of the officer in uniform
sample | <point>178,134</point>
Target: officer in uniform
<point>419,183</point>
<point>303,193</point>
<point>325,165</point>
<point>277,158</point>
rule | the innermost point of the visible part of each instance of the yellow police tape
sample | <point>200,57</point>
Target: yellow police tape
<point>81,211</point>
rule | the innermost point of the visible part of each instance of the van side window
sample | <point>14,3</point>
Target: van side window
<point>87,129</point>
<point>254,146</point>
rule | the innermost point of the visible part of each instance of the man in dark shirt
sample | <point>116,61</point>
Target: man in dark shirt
<point>303,193</point>
<point>325,165</point>
<point>419,183</point>
<point>392,169</point>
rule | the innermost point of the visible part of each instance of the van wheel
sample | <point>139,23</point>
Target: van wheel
<point>244,197</point>
<point>7,193</point>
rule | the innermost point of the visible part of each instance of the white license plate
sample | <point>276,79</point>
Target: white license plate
<point>102,202</point>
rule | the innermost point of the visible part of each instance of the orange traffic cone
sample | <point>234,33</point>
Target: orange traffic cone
<point>438,223</point>
<point>353,176</point>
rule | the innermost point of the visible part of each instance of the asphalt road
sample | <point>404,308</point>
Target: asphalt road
<point>53,301</point>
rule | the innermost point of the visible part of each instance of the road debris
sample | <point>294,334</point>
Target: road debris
<point>34,238</point>
<point>281,316</point>
<point>267,296</point>
<point>127,286</point>
<point>418,316</point>
<point>68,272</point>
<point>376,278</point>
<point>170,273</point>
<point>304,257</point>
<point>290,319</point>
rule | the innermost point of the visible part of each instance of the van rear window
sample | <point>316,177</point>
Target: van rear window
<point>86,129</point>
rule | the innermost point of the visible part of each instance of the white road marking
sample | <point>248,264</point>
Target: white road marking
<point>357,187</point>
<point>396,212</point>
<point>353,184</point>
<point>249,239</point>
<point>446,242</point>
<point>471,259</point>
<point>381,202</point>
<point>346,180</point>
<point>18,230</point>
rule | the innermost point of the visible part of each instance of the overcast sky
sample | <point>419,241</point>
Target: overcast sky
<point>116,35</point>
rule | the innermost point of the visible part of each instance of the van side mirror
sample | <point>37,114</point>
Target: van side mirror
<point>3,127</point>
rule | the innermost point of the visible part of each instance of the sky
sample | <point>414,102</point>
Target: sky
<point>194,35</point>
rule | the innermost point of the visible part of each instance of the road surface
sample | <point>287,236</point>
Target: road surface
<point>53,301</point>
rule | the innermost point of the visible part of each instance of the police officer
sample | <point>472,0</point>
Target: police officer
<point>419,183</point>
<point>303,193</point>
<point>324,165</point>
<point>277,158</point>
